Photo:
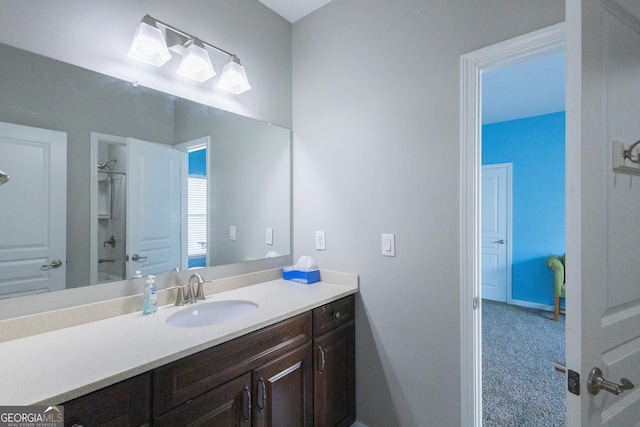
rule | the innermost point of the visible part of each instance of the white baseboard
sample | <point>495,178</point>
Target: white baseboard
<point>358,424</point>
<point>529,304</point>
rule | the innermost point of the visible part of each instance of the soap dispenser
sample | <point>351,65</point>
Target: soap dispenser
<point>149,303</point>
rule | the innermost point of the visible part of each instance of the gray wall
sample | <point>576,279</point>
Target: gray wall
<point>376,150</point>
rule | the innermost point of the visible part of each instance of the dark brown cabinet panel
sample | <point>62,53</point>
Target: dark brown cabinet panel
<point>334,377</point>
<point>228,405</point>
<point>188,378</point>
<point>284,390</point>
<point>127,403</point>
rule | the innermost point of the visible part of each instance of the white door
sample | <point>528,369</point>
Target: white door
<point>153,208</point>
<point>603,209</point>
<point>33,210</point>
<point>496,235</point>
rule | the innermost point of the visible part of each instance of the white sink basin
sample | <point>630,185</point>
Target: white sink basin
<point>211,313</point>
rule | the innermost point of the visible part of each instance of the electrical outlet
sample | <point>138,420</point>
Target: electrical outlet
<point>321,243</point>
<point>269,236</point>
<point>232,232</point>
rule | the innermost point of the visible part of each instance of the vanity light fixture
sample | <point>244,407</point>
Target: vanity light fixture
<point>233,78</point>
<point>150,45</point>
<point>196,64</point>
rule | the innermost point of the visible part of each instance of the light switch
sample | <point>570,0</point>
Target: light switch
<point>232,232</point>
<point>269,236</point>
<point>389,245</point>
<point>321,243</point>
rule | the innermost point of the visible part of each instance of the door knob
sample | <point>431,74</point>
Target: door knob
<point>597,382</point>
<point>54,264</point>
<point>136,257</point>
<point>501,241</point>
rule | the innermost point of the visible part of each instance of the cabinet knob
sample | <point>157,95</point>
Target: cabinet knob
<point>336,314</point>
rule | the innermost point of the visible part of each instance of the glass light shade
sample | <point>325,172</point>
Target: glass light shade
<point>148,45</point>
<point>196,64</point>
<point>233,78</point>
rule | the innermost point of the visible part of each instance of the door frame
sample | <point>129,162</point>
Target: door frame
<point>544,41</point>
<point>204,141</point>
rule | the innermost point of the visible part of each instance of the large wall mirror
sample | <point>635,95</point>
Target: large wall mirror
<point>127,179</point>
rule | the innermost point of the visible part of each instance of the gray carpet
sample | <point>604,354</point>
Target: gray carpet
<point>520,386</point>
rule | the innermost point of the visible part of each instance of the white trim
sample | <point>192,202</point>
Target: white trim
<point>533,305</point>
<point>544,41</point>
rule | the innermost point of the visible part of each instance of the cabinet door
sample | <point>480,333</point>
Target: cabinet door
<point>334,377</point>
<point>283,390</point>
<point>226,406</point>
<point>127,403</point>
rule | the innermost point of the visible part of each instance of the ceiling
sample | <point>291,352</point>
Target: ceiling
<point>292,10</point>
<point>525,89</point>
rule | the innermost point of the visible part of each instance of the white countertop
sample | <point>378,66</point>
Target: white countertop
<point>57,366</point>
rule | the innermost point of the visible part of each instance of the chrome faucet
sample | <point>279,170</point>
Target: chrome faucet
<point>187,294</point>
<point>199,294</point>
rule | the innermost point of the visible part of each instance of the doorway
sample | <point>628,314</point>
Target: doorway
<point>542,42</point>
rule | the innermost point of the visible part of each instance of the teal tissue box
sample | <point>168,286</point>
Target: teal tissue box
<point>306,277</point>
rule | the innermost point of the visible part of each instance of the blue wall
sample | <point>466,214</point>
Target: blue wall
<point>535,146</point>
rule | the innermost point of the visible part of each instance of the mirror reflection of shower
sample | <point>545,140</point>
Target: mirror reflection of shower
<point>111,238</point>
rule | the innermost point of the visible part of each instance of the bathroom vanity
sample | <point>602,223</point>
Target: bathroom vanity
<point>291,362</point>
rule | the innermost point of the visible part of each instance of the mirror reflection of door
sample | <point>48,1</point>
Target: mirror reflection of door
<point>153,208</point>
<point>135,208</point>
<point>33,214</point>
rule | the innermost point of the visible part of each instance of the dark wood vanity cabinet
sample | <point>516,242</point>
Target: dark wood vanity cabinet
<point>275,364</point>
<point>334,380</point>
<point>127,403</point>
<point>298,372</point>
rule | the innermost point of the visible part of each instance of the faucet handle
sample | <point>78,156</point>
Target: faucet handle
<point>180,296</point>
<point>200,291</point>
<point>187,291</point>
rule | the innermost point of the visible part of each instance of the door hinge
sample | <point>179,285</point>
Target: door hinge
<point>476,303</point>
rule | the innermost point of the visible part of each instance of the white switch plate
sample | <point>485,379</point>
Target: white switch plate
<point>269,237</point>
<point>388,245</point>
<point>321,242</point>
<point>232,232</point>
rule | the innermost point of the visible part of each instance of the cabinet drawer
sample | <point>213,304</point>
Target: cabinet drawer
<point>227,405</point>
<point>127,403</point>
<point>185,379</point>
<point>332,315</point>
